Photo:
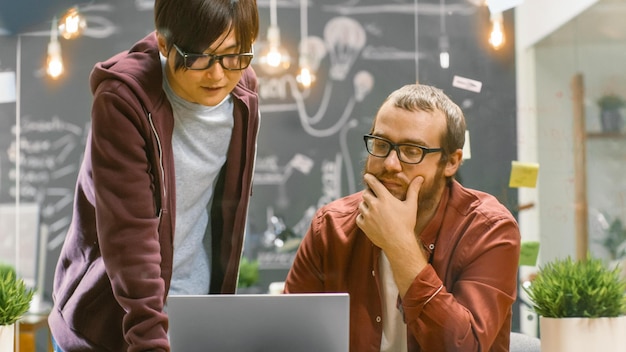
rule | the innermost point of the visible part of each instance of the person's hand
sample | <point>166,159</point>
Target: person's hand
<point>390,224</point>
<point>386,220</point>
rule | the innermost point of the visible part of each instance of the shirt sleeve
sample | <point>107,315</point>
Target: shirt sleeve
<point>305,274</point>
<point>127,219</point>
<point>467,309</point>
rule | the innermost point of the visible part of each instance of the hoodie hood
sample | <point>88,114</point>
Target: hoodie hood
<point>134,68</point>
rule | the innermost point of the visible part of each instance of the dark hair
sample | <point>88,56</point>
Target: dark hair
<point>194,25</point>
<point>420,97</point>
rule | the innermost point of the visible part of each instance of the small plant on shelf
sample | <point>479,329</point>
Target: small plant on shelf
<point>611,102</point>
<point>610,113</point>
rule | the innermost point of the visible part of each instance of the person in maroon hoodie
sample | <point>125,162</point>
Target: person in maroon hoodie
<point>430,265</point>
<point>163,191</point>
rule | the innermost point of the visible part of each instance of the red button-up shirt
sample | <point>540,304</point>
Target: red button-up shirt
<point>474,245</point>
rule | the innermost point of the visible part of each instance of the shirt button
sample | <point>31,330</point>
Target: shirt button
<point>431,246</point>
<point>373,273</point>
<point>378,319</point>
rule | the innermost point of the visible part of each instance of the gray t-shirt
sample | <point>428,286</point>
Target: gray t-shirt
<point>200,143</point>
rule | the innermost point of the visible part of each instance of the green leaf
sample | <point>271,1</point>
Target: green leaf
<point>15,297</point>
<point>586,288</point>
<point>248,272</point>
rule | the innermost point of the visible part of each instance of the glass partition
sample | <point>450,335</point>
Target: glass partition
<point>580,72</point>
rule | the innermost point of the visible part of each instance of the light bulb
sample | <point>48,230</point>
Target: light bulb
<point>496,37</point>
<point>273,58</point>
<point>54,65</point>
<point>305,77</point>
<point>72,24</point>
<point>54,62</point>
<point>444,59</point>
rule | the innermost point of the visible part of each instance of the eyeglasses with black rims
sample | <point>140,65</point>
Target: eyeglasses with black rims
<point>231,62</point>
<point>406,152</point>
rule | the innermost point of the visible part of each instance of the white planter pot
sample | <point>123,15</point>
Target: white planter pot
<point>7,337</point>
<point>582,334</point>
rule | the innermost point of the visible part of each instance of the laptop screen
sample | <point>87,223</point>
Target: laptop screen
<point>259,322</point>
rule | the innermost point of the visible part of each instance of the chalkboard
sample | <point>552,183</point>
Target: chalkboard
<point>310,148</point>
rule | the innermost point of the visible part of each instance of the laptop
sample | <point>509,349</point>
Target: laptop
<point>259,322</point>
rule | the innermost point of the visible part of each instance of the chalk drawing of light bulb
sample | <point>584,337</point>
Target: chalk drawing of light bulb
<point>344,39</point>
<point>363,84</point>
<point>314,49</point>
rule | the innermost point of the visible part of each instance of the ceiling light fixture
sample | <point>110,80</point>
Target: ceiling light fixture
<point>305,76</point>
<point>72,24</point>
<point>54,63</point>
<point>496,36</point>
<point>274,58</point>
<point>444,45</point>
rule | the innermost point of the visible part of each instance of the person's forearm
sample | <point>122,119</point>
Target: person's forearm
<point>406,263</point>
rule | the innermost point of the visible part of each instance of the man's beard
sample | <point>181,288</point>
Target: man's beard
<point>428,197</point>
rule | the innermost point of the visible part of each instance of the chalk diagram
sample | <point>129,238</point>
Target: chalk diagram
<point>48,166</point>
<point>343,44</point>
<point>343,41</point>
<point>354,34</point>
<point>50,148</point>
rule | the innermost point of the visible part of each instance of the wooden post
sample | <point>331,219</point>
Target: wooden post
<point>580,167</point>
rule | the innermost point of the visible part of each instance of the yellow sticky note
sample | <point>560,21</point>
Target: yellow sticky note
<point>523,174</point>
<point>528,253</point>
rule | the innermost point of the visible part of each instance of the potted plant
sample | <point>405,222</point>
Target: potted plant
<point>15,300</point>
<point>248,276</point>
<point>581,305</point>
<point>610,114</point>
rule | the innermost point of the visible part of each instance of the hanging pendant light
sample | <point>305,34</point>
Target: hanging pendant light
<point>72,24</point>
<point>274,59</point>
<point>54,62</point>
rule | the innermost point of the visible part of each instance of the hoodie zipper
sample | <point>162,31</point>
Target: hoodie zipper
<point>156,134</point>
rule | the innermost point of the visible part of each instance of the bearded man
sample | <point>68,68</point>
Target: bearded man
<point>429,264</point>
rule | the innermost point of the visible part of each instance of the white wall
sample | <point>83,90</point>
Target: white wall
<point>535,19</point>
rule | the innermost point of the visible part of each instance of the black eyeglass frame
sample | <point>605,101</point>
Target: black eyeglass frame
<point>212,59</point>
<point>396,147</point>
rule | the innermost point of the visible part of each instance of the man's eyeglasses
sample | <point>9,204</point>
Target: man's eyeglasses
<point>231,62</point>
<point>407,153</point>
